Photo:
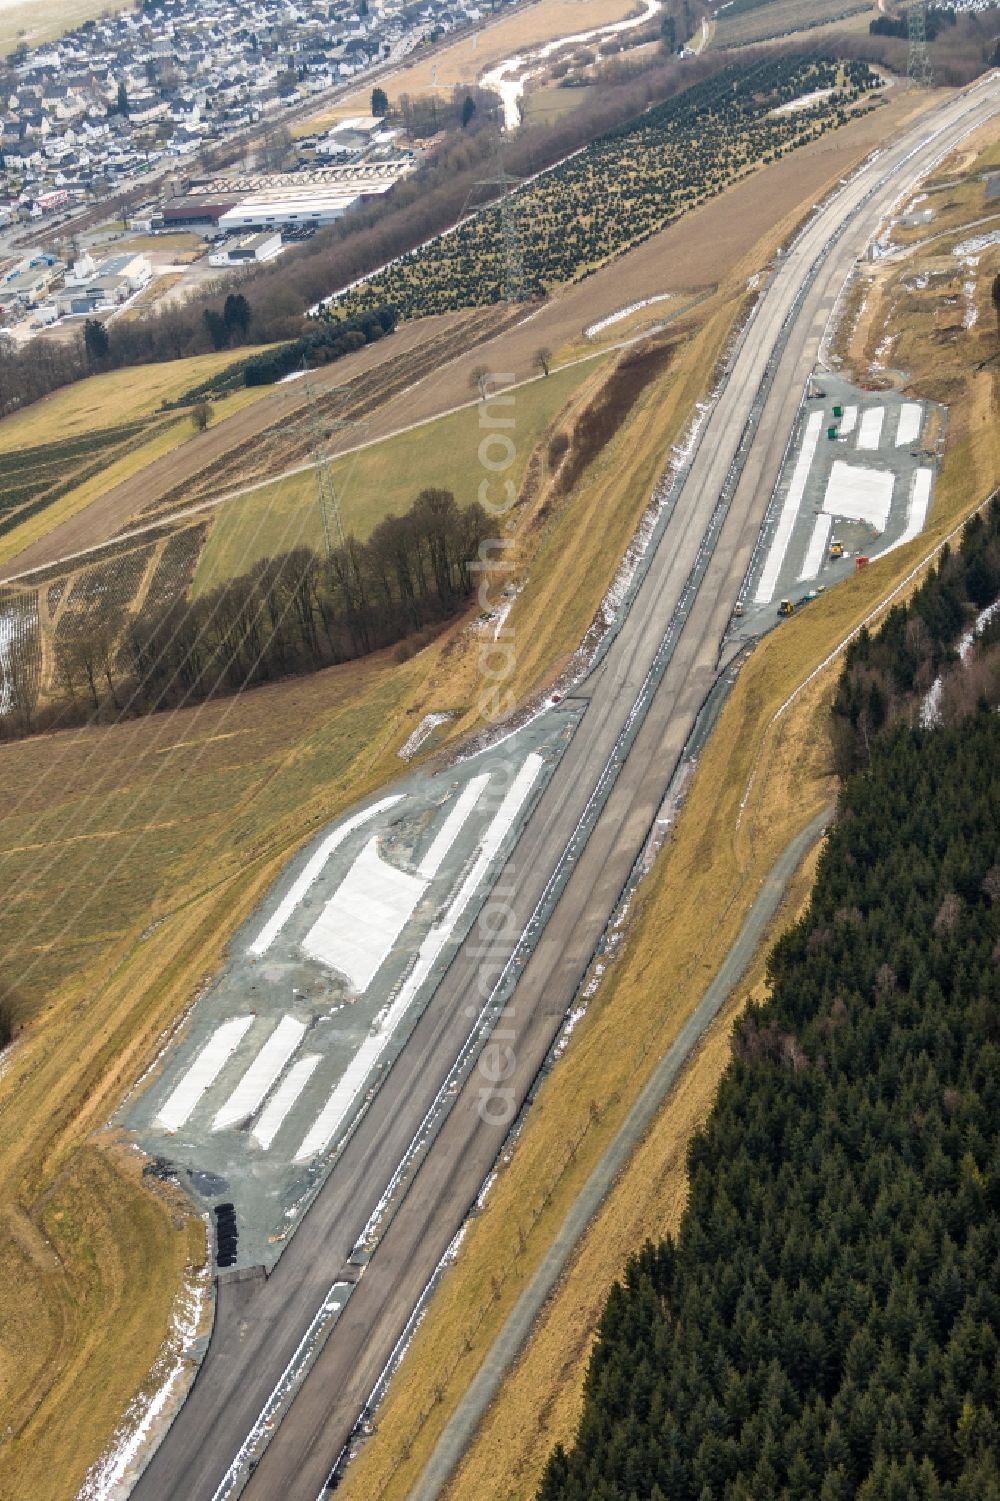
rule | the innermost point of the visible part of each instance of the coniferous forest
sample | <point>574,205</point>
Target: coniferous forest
<point>825,1324</point>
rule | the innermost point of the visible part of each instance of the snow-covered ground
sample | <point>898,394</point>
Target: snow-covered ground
<point>930,709</point>
<point>625,312</point>
<point>115,1473</point>
<point>804,101</point>
<point>977,243</point>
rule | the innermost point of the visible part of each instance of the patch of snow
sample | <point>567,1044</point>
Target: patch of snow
<point>860,493</point>
<point>971,315</point>
<point>789,510</point>
<point>567,1030</point>
<point>804,101</point>
<point>349,1086</point>
<point>625,312</point>
<point>930,709</point>
<point>977,243</point>
<point>911,420</point>
<point>115,1473</point>
<point>429,723</point>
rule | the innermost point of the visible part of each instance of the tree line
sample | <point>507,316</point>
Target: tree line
<point>888,674</point>
<point>824,1325</point>
<point>320,346</point>
<point>290,614</point>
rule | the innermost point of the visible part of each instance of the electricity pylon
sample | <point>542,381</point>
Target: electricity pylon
<point>513,260</point>
<point>317,428</point>
<point>919,69</point>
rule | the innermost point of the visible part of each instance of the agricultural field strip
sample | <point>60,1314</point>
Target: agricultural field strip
<point>176,518</point>
<point>350,1085</point>
<point>790,510</point>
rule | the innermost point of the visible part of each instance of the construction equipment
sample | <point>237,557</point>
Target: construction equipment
<point>836,548</point>
<point>786,607</point>
<point>860,562</point>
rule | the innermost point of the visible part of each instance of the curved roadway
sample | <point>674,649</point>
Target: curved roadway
<point>687,596</point>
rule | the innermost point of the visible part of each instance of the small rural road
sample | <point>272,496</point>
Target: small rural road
<point>689,590</point>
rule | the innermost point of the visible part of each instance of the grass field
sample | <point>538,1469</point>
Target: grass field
<point>103,400</point>
<point>739,28</point>
<point>36,21</point>
<point>140,454</point>
<point>545,106</point>
<point>378,480</point>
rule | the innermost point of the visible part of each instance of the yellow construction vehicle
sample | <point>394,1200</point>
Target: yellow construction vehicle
<point>786,607</point>
<point>836,549</point>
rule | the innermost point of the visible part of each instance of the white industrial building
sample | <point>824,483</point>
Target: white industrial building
<point>287,210</point>
<point>244,250</point>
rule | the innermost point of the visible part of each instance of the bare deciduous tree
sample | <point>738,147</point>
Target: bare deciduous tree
<point>542,360</point>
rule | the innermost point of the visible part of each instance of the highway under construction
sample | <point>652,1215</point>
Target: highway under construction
<point>405,1178</point>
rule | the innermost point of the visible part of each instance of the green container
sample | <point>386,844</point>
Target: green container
<point>831,432</point>
<point>838,411</point>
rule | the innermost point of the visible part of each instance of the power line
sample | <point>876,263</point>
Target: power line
<point>513,259</point>
<point>318,428</point>
<point>920,70</point>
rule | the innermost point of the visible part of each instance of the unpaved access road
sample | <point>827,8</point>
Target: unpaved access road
<point>685,599</point>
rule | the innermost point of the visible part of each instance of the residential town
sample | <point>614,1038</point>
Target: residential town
<point>157,94</point>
